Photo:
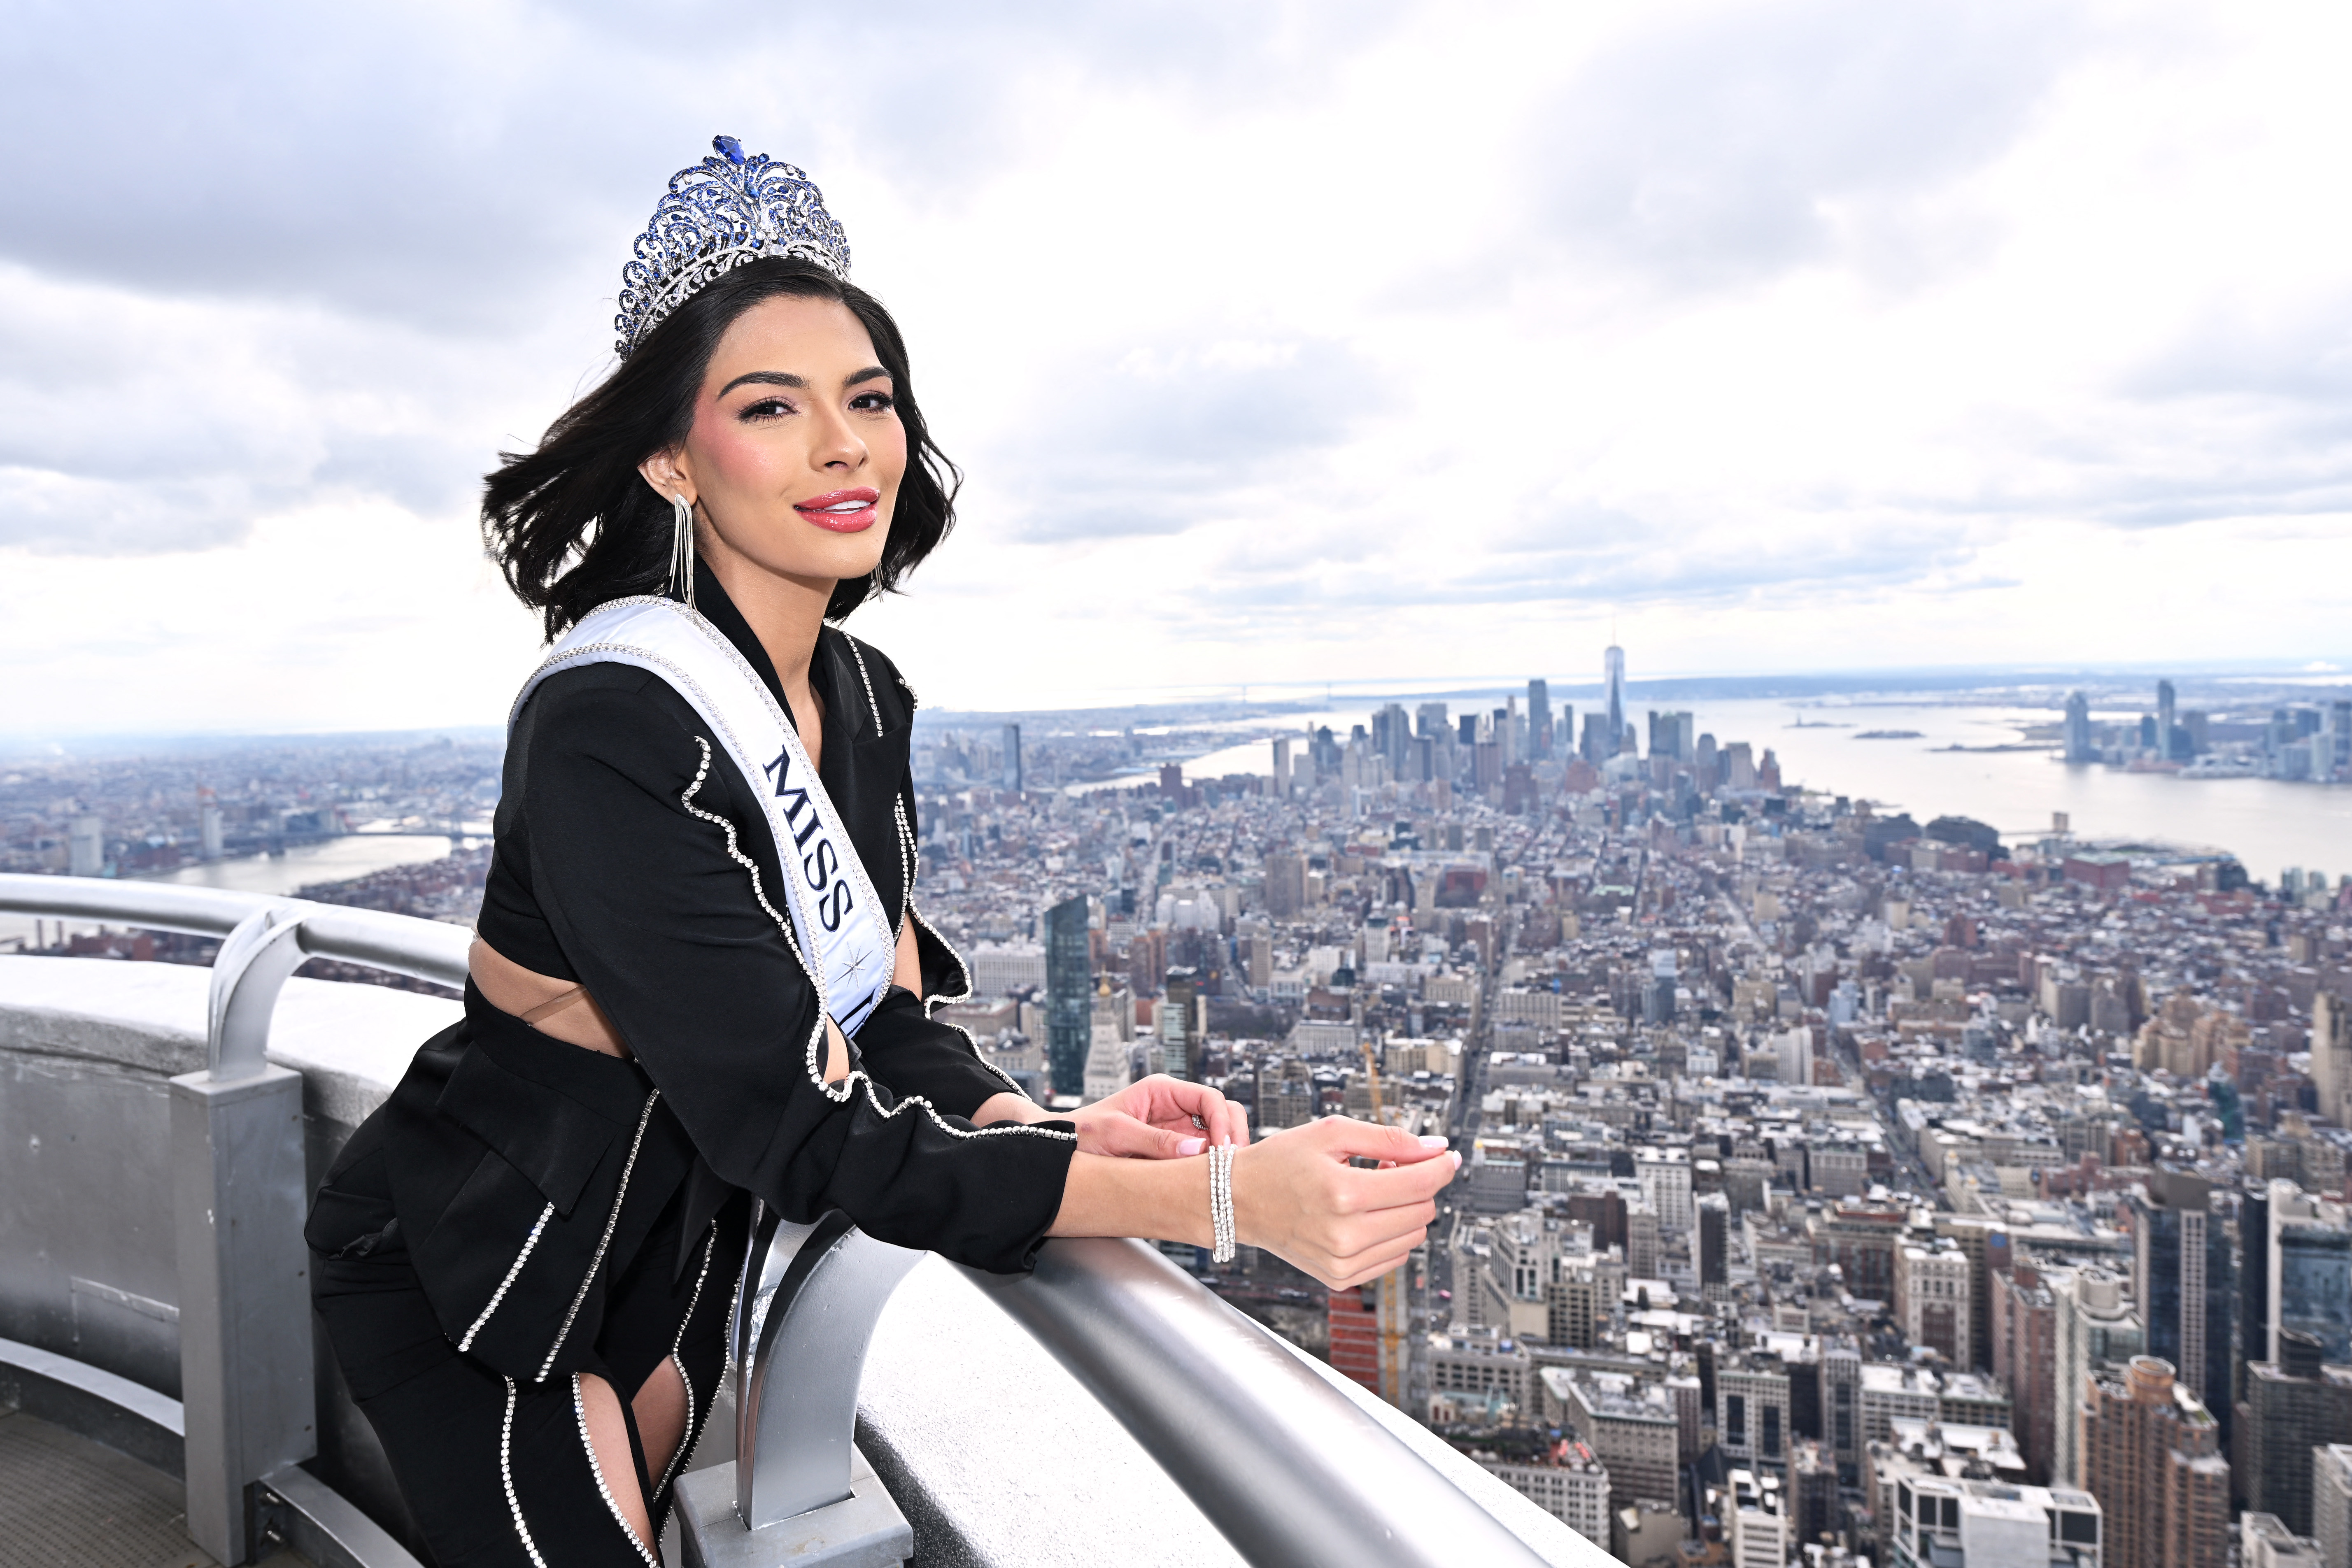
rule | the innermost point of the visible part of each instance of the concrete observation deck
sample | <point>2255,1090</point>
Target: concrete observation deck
<point>994,1449</point>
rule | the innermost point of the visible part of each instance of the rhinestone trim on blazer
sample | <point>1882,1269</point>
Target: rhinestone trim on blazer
<point>580,1414</point>
<point>677,1350</point>
<point>817,1076</point>
<point>759,890</point>
<point>908,855</point>
<point>862,676</point>
<point>506,1474</point>
<point>507,1283</point>
<point>611,1220</point>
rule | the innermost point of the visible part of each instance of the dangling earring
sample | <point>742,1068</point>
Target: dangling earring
<point>681,550</point>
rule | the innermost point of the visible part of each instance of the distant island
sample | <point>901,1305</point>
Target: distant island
<point>1888,735</point>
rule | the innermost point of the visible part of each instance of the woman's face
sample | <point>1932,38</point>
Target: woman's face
<point>795,454</point>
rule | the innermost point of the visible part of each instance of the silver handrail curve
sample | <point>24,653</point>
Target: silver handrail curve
<point>1282,1463</point>
<point>401,943</point>
<point>1285,1467</point>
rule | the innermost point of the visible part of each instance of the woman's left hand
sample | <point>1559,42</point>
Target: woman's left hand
<point>1161,1118</point>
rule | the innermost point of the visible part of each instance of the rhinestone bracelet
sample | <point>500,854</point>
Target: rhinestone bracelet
<point>1221,1201</point>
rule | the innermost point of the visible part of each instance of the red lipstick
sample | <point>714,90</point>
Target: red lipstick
<point>842,511</point>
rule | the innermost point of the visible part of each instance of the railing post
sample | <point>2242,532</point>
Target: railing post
<point>798,1491</point>
<point>239,1183</point>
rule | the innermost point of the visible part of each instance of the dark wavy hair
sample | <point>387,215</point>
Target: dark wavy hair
<point>572,524</point>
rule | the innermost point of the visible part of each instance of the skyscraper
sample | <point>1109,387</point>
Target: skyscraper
<point>1538,720</point>
<point>2078,729</point>
<point>1286,884</point>
<point>86,846</point>
<point>2152,1458</point>
<point>1178,1014</point>
<point>2255,1277</point>
<point>2331,1054</point>
<point>1392,738</point>
<point>1069,995</point>
<point>208,824</point>
<point>2304,1247</point>
<point>1430,724</point>
<point>2184,1278</point>
<point>2095,1326</point>
<point>1371,1332</point>
<point>2166,746</point>
<point>1013,756</point>
<point>2293,1405</point>
<point>1714,1247</point>
<point>2331,1503</point>
<point>1673,735</point>
<point>1612,692</point>
<point>2024,1315</point>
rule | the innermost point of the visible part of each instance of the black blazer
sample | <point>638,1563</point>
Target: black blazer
<point>632,857</point>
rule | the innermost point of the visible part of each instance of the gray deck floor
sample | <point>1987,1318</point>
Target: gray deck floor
<point>65,1499</point>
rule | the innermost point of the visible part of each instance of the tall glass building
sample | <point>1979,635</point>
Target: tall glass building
<point>2316,1286</point>
<point>1612,682</point>
<point>2187,1283</point>
<point>2298,1260</point>
<point>1069,995</point>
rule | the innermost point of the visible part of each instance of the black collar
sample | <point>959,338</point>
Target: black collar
<point>839,723</point>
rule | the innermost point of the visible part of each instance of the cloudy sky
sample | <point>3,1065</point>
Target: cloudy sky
<point>1282,343</point>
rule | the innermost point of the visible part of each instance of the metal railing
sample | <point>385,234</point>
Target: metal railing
<point>240,1182</point>
<point>1286,1466</point>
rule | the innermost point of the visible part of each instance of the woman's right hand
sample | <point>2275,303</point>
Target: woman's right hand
<point>1296,1195</point>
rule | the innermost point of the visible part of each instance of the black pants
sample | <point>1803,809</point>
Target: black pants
<point>498,1471</point>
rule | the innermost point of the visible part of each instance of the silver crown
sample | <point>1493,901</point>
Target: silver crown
<point>725,210</point>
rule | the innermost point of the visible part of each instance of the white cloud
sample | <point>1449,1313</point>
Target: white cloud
<point>1280,344</point>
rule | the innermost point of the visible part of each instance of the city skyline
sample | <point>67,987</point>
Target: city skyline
<point>2115,689</point>
<point>1785,338</point>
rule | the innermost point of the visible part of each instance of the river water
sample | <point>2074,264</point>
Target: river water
<point>335,859</point>
<point>2268,824</point>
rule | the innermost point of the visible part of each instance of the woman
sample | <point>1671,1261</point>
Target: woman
<point>699,977</point>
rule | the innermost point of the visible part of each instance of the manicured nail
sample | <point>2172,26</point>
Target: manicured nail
<point>1432,1141</point>
<point>1191,1147</point>
<point>1457,1157</point>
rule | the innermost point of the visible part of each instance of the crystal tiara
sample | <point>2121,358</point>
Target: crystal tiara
<point>725,210</point>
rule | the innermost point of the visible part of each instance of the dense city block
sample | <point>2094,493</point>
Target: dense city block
<point>1837,1186</point>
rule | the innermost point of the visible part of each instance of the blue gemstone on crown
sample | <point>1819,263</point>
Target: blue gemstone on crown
<point>731,208</point>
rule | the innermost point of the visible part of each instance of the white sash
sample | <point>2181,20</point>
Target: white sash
<point>838,924</point>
